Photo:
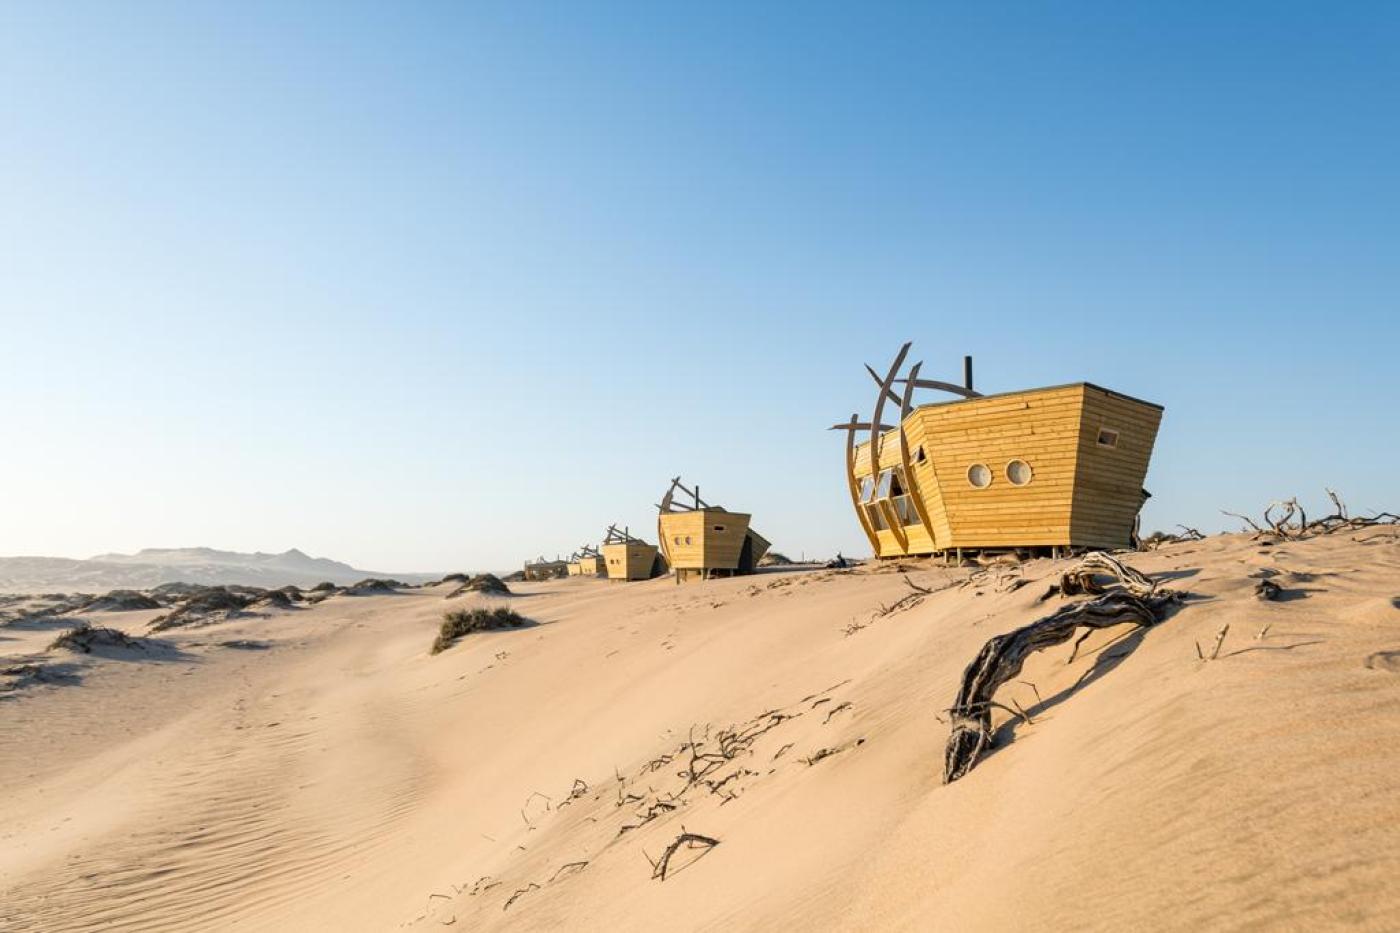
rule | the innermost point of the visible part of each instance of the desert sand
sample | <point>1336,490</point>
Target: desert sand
<point>317,769</point>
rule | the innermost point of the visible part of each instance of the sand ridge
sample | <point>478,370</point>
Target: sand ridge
<point>331,774</point>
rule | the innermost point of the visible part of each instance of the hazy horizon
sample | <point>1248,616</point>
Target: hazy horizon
<point>436,287</point>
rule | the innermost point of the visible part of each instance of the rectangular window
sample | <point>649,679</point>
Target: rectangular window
<point>882,491</point>
<point>877,517</point>
<point>867,488</point>
<point>904,508</point>
<point>1108,438</point>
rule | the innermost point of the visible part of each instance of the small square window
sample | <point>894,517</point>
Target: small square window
<point>1108,438</point>
<point>719,527</point>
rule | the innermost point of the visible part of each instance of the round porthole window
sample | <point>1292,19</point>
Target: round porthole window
<point>979,476</point>
<point>1018,472</point>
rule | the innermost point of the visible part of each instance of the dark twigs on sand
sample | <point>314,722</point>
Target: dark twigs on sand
<point>1286,520</point>
<point>1158,538</point>
<point>1132,598</point>
<point>685,840</point>
<point>916,595</point>
<point>519,893</point>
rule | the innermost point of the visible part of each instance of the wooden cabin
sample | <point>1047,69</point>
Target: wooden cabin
<point>699,540</point>
<point>1037,471</point>
<point>627,558</point>
<point>541,569</point>
<point>591,562</point>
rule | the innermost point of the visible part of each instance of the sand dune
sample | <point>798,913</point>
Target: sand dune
<point>316,768</point>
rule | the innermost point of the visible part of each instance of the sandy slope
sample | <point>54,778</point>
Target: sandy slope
<point>344,779</point>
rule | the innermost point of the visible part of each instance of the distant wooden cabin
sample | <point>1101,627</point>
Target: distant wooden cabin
<point>541,569</point>
<point>629,558</point>
<point>699,540</point>
<point>1035,471</point>
<point>591,563</point>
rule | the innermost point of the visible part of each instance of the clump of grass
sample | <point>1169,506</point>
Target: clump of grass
<point>85,638</point>
<point>465,621</point>
<point>486,583</point>
<point>208,604</point>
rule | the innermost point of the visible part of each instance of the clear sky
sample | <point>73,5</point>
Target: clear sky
<point>445,286</point>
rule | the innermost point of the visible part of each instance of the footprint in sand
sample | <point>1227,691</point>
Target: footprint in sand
<point>1388,661</point>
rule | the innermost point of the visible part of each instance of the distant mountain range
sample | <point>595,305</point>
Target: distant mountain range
<point>154,566</point>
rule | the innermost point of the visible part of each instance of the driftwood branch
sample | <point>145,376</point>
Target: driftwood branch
<point>1286,520</point>
<point>686,839</point>
<point>1081,577</point>
<point>1159,538</point>
<point>520,892</point>
<point>1131,598</point>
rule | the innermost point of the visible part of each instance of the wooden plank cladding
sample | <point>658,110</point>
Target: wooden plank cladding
<point>1043,468</point>
<point>700,540</point>
<point>631,560</point>
<point>704,540</point>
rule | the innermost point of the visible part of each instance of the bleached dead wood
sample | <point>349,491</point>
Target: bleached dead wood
<point>1286,520</point>
<point>1130,598</point>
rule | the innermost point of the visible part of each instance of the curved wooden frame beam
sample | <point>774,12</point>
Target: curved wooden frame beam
<point>851,427</point>
<point>910,480</point>
<point>886,394</point>
<point>950,387</point>
<point>663,508</point>
<point>876,429</point>
<point>880,382</point>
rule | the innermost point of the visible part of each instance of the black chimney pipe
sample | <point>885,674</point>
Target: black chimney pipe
<point>967,372</point>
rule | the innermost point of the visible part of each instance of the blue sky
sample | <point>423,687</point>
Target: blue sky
<point>449,285</point>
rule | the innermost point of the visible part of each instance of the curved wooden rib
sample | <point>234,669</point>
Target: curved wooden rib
<point>662,509</point>
<point>964,391</point>
<point>880,382</point>
<point>910,480</point>
<point>887,393</point>
<point>851,428</point>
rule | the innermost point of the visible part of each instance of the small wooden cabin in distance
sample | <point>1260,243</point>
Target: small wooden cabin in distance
<point>628,558</point>
<point>541,569</point>
<point>700,540</point>
<point>1039,471</point>
<point>591,562</point>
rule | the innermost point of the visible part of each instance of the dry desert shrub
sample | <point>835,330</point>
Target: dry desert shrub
<point>487,583</point>
<point>465,621</point>
<point>85,638</point>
